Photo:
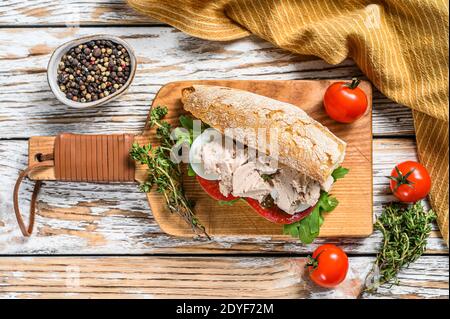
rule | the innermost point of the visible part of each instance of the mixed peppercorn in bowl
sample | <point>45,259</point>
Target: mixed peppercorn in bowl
<point>91,71</point>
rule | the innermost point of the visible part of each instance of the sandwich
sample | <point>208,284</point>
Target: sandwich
<point>269,153</point>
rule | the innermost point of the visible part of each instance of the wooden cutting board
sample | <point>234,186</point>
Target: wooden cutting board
<point>352,217</point>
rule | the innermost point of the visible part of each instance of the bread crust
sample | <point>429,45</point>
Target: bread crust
<point>303,143</point>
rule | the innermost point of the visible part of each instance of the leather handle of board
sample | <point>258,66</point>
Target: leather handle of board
<point>26,231</point>
<point>80,158</point>
<point>93,158</point>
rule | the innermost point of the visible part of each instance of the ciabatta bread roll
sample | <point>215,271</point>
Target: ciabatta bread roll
<point>303,143</point>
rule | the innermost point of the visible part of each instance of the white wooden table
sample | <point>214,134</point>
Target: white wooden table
<point>111,244</point>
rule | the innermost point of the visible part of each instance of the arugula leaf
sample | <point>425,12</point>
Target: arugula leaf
<point>191,171</point>
<point>305,235</point>
<point>308,228</point>
<point>313,221</point>
<point>181,135</point>
<point>228,202</point>
<point>187,122</point>
<point>185,134</point>
<point>329,203</point>
<point>339,172</point>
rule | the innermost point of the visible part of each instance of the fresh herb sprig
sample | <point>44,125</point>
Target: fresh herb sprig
<point>405,230</point>
<point>163,173</point>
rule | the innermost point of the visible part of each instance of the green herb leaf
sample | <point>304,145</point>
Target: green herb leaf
<point>187,122</point>
<point>308,228</point>
<point>228,202</point>
<point>191,171</point>
<point>182,135</point>
<point>292,229</point>
<point>328,203</point>
<point>305,234</point>
<point>156,114</point>
<point>339,172</point>
<point>313,221</point>
<point>186,135</point>
<point>267,177</point>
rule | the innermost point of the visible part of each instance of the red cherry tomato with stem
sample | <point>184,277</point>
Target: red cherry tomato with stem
<point>328,266</point>
<point>345,102</point>
<point>410,181</point>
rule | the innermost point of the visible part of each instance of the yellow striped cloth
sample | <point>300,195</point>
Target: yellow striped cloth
<point>401,45</point>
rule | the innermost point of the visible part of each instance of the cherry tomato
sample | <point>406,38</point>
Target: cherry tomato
<point>328,266</point>
<point>212,188</point>
<point>410,181</point>
<point>276,215</point>
<point>345,102</point>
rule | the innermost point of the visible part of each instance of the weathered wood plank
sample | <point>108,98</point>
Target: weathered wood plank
<point>115,219</point>
<point>27,107</point>
<point>206,277</point>
<point>69,13</point>
<point>425,278</point>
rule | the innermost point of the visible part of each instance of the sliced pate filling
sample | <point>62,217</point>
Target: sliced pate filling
<point>243,174</point>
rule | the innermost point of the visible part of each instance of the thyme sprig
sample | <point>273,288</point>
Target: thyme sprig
<point>163,173</point>
<point>405,231</point>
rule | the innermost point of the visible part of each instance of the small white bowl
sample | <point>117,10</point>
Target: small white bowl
<point>53,63</point>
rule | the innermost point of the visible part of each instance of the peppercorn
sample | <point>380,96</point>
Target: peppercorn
<point>93,70</point>
<point>267,201</point>
<point>97,52</point>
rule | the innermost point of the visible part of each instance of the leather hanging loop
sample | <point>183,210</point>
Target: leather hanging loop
<point>26,231</point>
<point>80,158</point>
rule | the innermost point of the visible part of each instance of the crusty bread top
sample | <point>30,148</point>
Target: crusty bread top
<point>304,144</point>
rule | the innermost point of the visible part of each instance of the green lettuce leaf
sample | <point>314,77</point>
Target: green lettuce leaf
<point>182,135</point>
<point>339,172</point>
<point>185,135</point>
<point>187,122</point>
<point>228,202</point>
<point>308,228</point>
<point>191,171</point>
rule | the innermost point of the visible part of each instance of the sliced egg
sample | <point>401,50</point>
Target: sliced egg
<point>195,159</point>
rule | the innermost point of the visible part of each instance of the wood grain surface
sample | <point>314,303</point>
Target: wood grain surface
<point>203,277</point>
<point>69,13</point>
<point>164,55</point>
<point>81,218</point>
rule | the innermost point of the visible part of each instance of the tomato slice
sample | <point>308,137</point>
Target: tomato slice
<point>274,214</point>
<point>212,188</point>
